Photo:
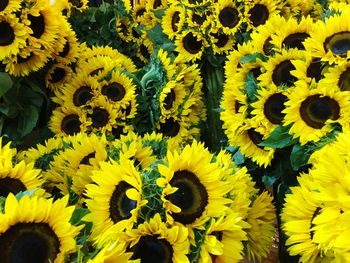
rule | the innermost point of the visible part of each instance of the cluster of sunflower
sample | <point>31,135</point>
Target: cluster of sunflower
<point>289,85</point>
<point>136,198</point>
<point>316,215</point>
<point>32,33</point>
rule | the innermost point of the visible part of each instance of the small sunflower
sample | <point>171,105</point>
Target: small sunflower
<point>115,198</point>
<point>10,6</point>
<point>227,16</point>
<point>257,12</point>
<point>190,45</point>
<point>331,41</point>
<point>155,241</point>
<point>13,35</point>
<point>338,76</point>
<point>171,97</point>
<point>261,218</point>
<point>124,30</point>
<point>190,195</point>
<point>173,20</point>
<point>57,76</point>
<point>311,111</point>
<point>36,230</point>
<point>97,66</point>
<point>68,121</point>
<point>200,20</point>
<point>221,43</point>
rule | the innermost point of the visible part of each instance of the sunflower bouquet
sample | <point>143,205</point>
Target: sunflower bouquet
<point>136,198</point>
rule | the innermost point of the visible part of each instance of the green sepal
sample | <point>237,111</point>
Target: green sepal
<point>5,83</point>
<point>279,138</point>
<point>299,156</point>
<point>251,58</point>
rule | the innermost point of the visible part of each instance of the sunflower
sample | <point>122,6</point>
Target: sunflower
<point>114,198</point>
<point>338,76</point>
<point>227,16</point>
<point>123,29</point>
<point>168,65</point>
<point>102,116</point>
<point>221,42</point>
<point>111,254</point>
<point>57,76</point>
<point>79,91</point>
<point>278,69</point>
<point>18,178</point>
<point>68,121</point>
<point>154,5</point>
<point>190,195</point>
<point>173,20</point>
<point>223,240</point>
<point>10,6</point>
<point>44,25</point>
<point>192,3</point>
<point>143,51</point>
<point>200,20</point>
<point>36,230</point>
<point>247,138</point>
<point>298,221</point>
<point>331,41</point>
<point>257,12</point>
<point>311,111</point>
<point>26,61</point>
<point>171,97</point>
<point>190,45</point>
<point>261,218</point>
<point>119,90</point>
<point>155,241</point>
<point>13,35</point>
<point>267,110</point>
<point>79,5</point>
<point>97,66</point>
<point>292,33</point>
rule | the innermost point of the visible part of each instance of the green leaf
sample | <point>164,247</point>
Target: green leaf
<point>78,214</point>
<point>251,87</point>
<point>238,158</point>
<point>5,83</point>
<point>299,156</point>
<point>279,138</point>
<point>269,180</point>
<point>251,58</point>
<point>157,36</point>
<point>159,13</point>
<point>27,120</point>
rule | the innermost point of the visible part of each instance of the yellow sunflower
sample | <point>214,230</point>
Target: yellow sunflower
<point>168,65</point>
<point>13,35</point>
<point>227,16</point>
<point>115,199</point>
<point>26,61</point>
<point>123,29</point>
<point>68,121</point>
<point>267,110</point>
<point>331,41</point>
<point>10,6</point>
<point>173,20</point>
<point>337,76</point>
<point>111,254</point>
<point>190,45</point>
<point>97,66</point>
<point>79,5</point>
<point>312,111</point>
<point>221,43</point>
<point>171,97</point>
<point>200,20</point>
<point>261,218</point>
<point>155,241</point>
<point>257,12</point>
<point>37,229</point>
<point>190,195</point>
<point>57,76</point>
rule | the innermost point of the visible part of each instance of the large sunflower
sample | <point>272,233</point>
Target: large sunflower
<point>261,218</point>
<point>115,198</point>
<point>189,194</point>
<point>310,111</point>
<point>173,20</point>
<point>154,241</point>
<point>13,35</point>
<point>331,41</point>
<point>36,230</point>
<point>190,45</point>
<point>227,16</point>
<point>257,12</point>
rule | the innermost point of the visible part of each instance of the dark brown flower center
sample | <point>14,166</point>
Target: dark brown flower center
<point>198,19</point>
<point>191,196</point>
<point>11,185</point>
<point>120,206</point>
<point>273,108</point>
<point>151,249</point>
<point>316,213</point>
<point>268,47</point>
<point>140,12</point>
<point>316,110</point>
<point>7,35</point>
<point>76,3</point>
<point>95,72</point>
<point>157,3</point>
<point>238,105</point>
<point>82,96</point>
<point>58,75</point>
<point>3,5</point>
<point>29,243</point>
<point>174,20</point>
<point>281,74</point>
<point>295,40</point>
<point>65,50</point>
<point>314,70</point>
<point>258,15</point>
<point>218,235</point>
<point>21,60</point>
<point>37,24</point>
<point>255,137</point>
<point>191,44</point>
<point>170,128</point>
<point>86,159</point>
<point>229,17</point>
<point>169,100</point>
<point>344,80</point>
<point>71,124</point>
<point>338,43</point>
<point>144,51</point>
<point>114,91</point>
<point>99,117</point>
<point>222,39</point>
